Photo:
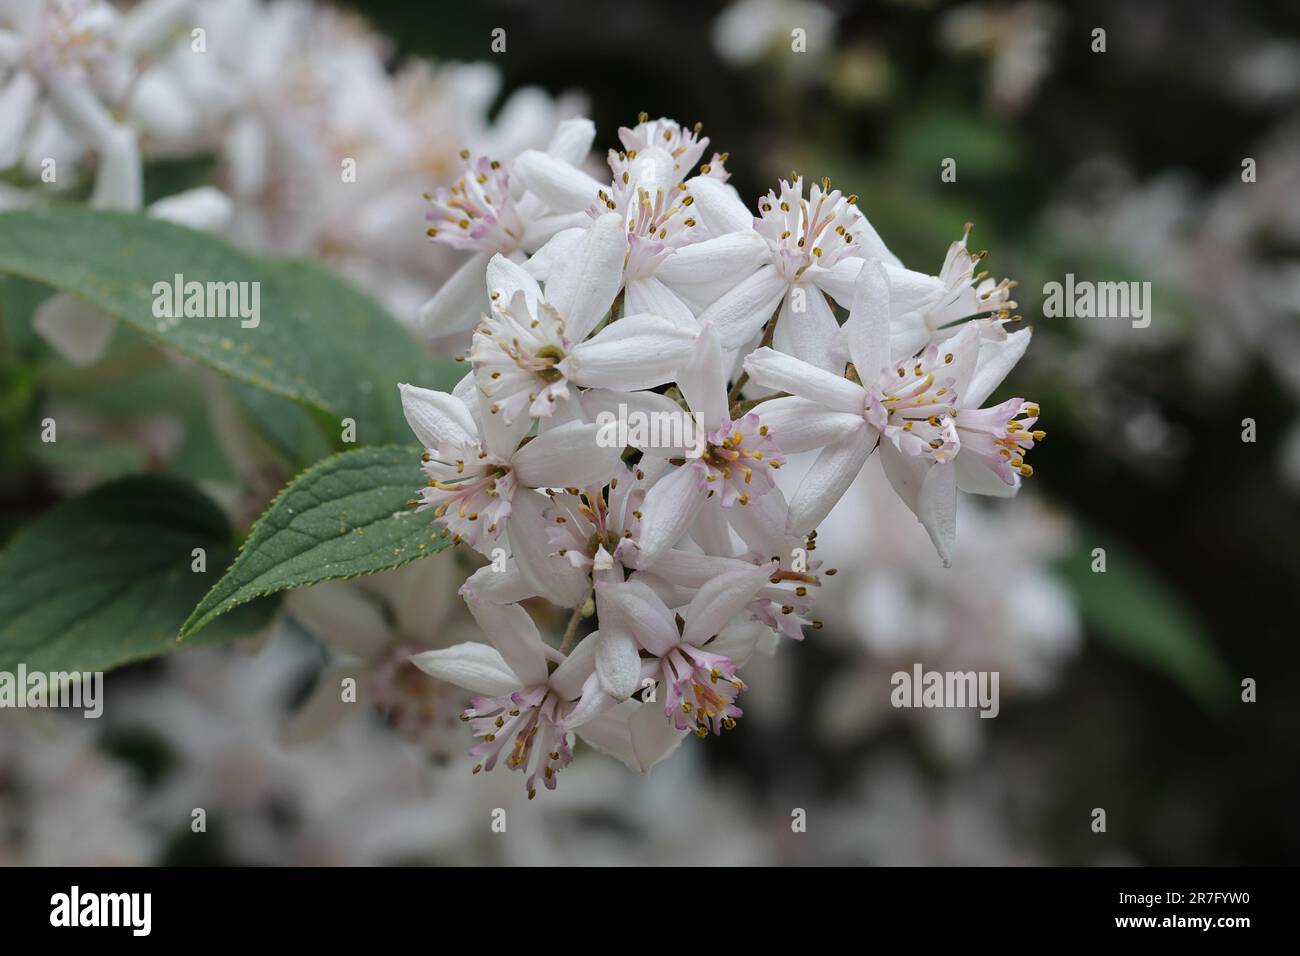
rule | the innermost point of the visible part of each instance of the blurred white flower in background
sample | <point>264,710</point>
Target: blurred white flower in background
<point>998,608</point>
<point>1015,38</point>
<point>750,30</point>
<point>62,801</point>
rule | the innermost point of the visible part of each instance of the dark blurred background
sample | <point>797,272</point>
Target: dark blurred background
<point>1054,145</point>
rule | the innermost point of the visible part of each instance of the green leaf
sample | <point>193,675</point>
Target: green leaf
<point>19,299</point>
<point>1133,610</point>
<point>318,340</point>
<point>345,516</point>
<point>106,578</point>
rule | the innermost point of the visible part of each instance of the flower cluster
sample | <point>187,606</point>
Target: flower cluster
<point>658,294</point>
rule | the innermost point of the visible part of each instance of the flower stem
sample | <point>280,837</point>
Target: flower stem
<point>580,611</point>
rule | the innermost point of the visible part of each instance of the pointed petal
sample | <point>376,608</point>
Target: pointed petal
<point>737,642</point>
<point>498,587</point>
<point>325,707</point>
<point>605,405</point>
<point>721,600</point>
<point>552,576</point>
<point>17,107</point>
<point>703,382</point>
<point>867,328</point>
<point>565,457</point>
<point>583,285</point>
<point>667,512</point>
<point>786,373</point>
<point>476,667</point>
<point>572,139</point>
<point>975,478</point>
<point>633,606</point>
<point>745,308</point>
<point>506,277</point>
<point>828,478</point>
<point>996,360</point>
<point>568,679</point>
<point>637,734</point>
<point>808,335</point>
<point>560,185</point>
<point>931,497</point>
<point>798,424</point>
<point>636,352</point>
<point>437,418</point>
<point>458,305</point>
<point>653,735</point>
<point>761,524</point>
<point>559,248</point>
<point>701,272</point>
<point>203,208</point>
<point>618,661</point>
<point>718,207</point>
<point>513,633</point>
<point>339,614</point>
<point>654,298</point>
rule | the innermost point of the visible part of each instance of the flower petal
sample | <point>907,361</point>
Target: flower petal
<point>633,606</point>
<point>506,277</point>
<point>701,272</point>
<point>563,187</point>
<point>702,381</point>
<point>929,490</point>
<point>636,352</point>
<point>975,477</point>
<point>457,305</point>
<point>669,507</point>
<point>618,661</point>
<point>437,418</point>
<point>513,633</point>
<point>799,424</point>
<point>338,613</point>
<point>475,667</point>
<point>572,139</point>
<point>651,296</point>
<point>720,600</point>
<point>580,663</point>
<point>740,312</point>
<point>996,359</point>
<point>203,208</point>
<point>565,457</point>
<point>786,373</point>
<point>325,707</point>
<point>867,327</point>
<point>809,334</point>
<point>718,207</point>
<point>551,576</point>
<point>828,478</point>
<point>583,285</point>
<point>77,330</point>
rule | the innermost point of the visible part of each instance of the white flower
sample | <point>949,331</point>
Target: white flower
<point>666,214</point>
<point>696,660</point>
<point>64,67</point>
<point>476,466</point>
<point>488,213</point>
<point>530,349</point>
<point>521,702</point>
<point>814,246</point>
<point>920,408</point>
<point>736,460</point>
<point>927,309</point>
